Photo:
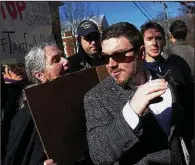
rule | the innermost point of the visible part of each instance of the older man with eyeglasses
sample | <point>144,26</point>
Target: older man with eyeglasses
<point>89,47</point>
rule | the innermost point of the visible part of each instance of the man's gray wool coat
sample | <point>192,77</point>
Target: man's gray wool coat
<point>111,139</point>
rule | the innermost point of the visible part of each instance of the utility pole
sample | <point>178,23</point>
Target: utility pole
<point>166,24</point>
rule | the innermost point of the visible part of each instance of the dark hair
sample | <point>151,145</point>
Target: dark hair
<point>152,25</point>
<point>179,30</point>
<point>124,29</point>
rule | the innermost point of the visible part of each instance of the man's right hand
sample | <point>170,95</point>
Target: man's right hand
<point>145,93</point>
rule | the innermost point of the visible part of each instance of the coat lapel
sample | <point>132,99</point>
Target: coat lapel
<point>176,108</point>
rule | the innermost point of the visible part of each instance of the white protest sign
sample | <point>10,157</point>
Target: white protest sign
<point>22,25</point>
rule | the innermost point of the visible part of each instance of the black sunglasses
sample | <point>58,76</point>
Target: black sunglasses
<point>90,38</point>
<point>118,57</point>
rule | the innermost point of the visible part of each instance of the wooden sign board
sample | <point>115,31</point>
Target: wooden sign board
<point>58,112</point>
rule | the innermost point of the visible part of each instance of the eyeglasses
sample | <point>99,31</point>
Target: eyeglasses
<point>92,37</point>
<point>118,57</point>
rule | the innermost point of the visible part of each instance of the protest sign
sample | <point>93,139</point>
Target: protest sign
<point>58,112</point>
<point>23,24</point>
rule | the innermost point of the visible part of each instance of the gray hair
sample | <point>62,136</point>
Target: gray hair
<point>35,61</point>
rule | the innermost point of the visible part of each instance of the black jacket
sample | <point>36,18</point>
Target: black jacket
<point>81,61</point>
<point>24,146</point>
<point>11,105</point>
<point>183,50</point>
<point>185,89</point>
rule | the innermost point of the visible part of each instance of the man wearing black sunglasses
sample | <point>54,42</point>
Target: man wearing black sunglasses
<point>89,47</point>
<point>130,117</point>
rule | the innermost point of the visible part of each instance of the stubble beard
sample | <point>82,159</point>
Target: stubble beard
<point>94,54</point>
<point>129,79</point>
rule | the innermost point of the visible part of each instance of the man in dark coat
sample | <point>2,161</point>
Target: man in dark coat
<point>132,118</point>
<point>89,47</point>
<point>178,32</point>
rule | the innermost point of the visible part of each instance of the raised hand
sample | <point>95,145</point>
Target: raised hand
<point>145,93</point>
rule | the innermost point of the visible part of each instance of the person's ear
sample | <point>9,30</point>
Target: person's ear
<point>40,76</point>
<point>142,50</point>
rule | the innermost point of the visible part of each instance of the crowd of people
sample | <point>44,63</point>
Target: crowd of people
<point>142,113</point>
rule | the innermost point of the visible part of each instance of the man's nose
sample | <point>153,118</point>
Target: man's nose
<point>65,63</point>
<point>112,63</point>
<point>93,42</point>
<point>154,42</point>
